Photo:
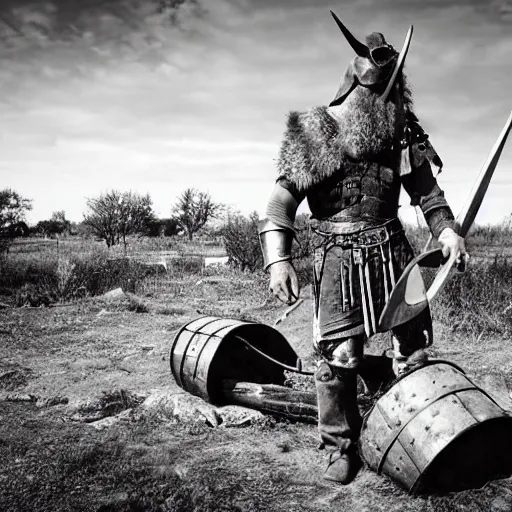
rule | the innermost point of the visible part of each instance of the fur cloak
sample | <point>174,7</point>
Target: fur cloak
<point>313,151</point>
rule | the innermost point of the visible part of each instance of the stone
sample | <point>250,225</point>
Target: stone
<point>52,401</point>
<point>109,403</point>
<point>111,421</point>
<point>180,407</point>
<point>238,416</point>
<point>20,397</point>
<point>115,294</point>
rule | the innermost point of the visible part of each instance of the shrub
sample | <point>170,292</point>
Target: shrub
<point>16,273</point>
<point>34,295</point>
<point>241,240</point>
<point>162,227</point>
<point>187,265</point>
<point>302,247</point>
<point>46,281</point>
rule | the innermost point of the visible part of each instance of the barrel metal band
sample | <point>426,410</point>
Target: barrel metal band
<point>214,333</point>
<point>420,410</point>
<point>182,363</point>
<point>416,483</point>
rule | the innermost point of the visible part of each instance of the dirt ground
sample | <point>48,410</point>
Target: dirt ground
<point>66,371</point>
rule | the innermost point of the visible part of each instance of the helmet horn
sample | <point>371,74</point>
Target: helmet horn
<point>360,48</point>
<point>399,64</point>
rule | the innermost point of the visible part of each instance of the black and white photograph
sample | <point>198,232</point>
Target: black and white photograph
<point>255,255</point>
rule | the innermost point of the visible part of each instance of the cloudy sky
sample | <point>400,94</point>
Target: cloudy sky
<point>156,96</point>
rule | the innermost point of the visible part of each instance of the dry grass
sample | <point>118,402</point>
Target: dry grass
<point>95,346</point>
<point>153,467</point>
<point>147,467</point>
<point>42,272</point>
<point>479,301</point>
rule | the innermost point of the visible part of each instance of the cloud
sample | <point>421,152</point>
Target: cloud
<point>95,21</point>
<point>121,93</point>
<point>503,8</point>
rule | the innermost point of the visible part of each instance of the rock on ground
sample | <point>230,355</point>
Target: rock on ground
<point>166,405</point>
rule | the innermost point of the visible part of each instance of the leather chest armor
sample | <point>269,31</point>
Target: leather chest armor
<point>366,191</point>
<point>313,163</point>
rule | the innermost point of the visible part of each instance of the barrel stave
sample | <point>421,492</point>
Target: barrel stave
<point>420,417</point>
<point>206,351</point>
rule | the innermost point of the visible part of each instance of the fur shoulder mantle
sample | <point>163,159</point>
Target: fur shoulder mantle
<point>311,150</point>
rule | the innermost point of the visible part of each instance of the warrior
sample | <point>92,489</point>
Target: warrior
<point>349,160</point>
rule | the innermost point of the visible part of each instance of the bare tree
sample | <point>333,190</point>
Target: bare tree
<point>103,216</point>
<point>194,209</point>
<point>136,213</point>
<point>115,215</point>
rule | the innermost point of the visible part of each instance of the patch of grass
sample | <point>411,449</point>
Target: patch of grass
<point>485,236</point>
<point>142,467</point>
<point>81,470</point>
<point>479,300</point>
<point>137,305</point>
<point>172,310</point>
<point>36,282</point>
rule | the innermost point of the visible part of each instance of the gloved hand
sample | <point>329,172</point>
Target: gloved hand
<point>283,282</point>
<point>453,246</point>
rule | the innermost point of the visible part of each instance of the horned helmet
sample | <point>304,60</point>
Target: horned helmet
<point>376,63</point>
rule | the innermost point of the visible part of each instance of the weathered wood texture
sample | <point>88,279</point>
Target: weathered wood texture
<point>272,399</point>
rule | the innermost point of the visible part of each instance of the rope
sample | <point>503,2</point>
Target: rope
<point>298,369</point>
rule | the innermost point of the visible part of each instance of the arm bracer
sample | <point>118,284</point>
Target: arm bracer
<point>276,231</point>
<point>276,243</point>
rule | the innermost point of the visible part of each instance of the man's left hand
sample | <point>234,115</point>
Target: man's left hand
<point>453,246</point>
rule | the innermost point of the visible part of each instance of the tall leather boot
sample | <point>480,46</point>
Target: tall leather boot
<point>339,421</point>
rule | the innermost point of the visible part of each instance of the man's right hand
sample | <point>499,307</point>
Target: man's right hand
<point>283,282</point>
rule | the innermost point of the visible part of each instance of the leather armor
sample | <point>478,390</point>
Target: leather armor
<point>361,191</point>
<point>311,165</point>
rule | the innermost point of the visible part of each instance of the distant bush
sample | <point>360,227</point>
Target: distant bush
<point>57,225</point>
<point>242,243</point>
<point>302,247</point>
<point>241,240</point>
<point>162,227</point>
<point>186,265</point>
<point>96,275</point>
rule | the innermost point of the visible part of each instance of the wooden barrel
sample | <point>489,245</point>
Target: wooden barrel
<point>206,352</point>
<point>436,431</point>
